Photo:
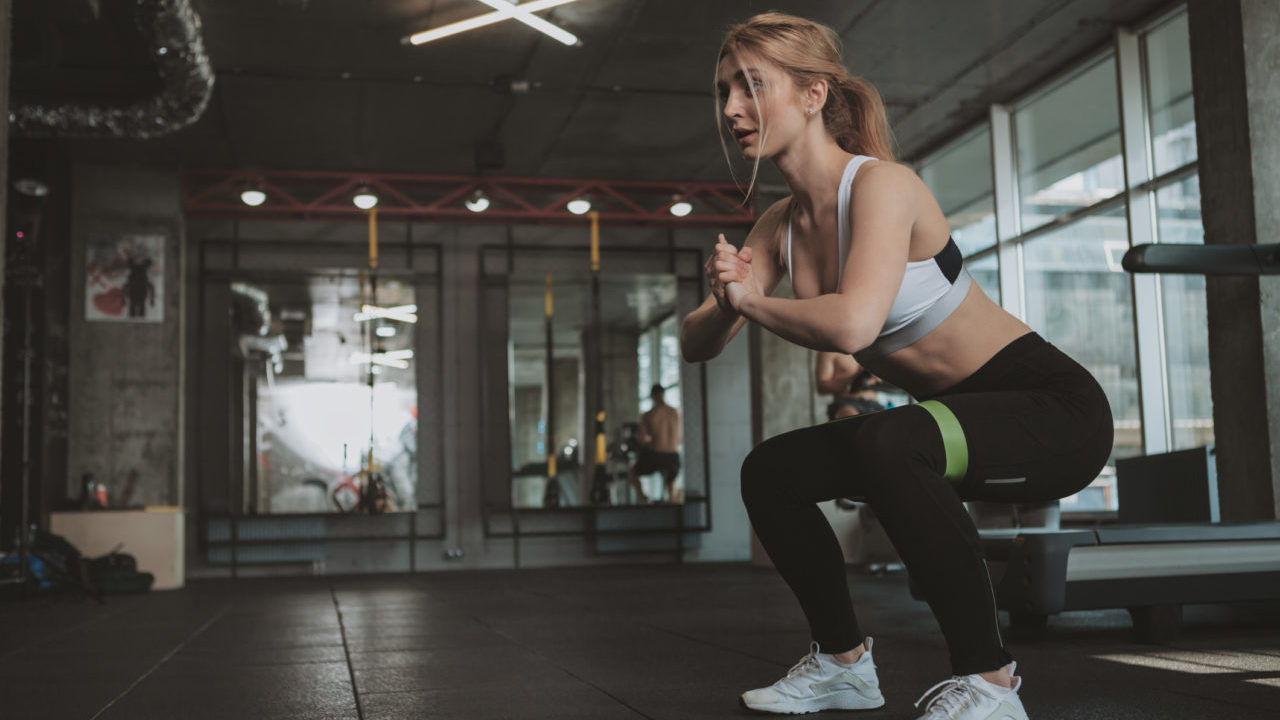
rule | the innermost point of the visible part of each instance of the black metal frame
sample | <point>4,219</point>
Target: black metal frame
<point>205,274</point>
<point>235,542</point>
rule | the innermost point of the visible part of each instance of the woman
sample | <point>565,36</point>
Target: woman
<point>1006,416</point>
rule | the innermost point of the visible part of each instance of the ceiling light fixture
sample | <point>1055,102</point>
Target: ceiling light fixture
<point>31,187</point>
<point>511,11</point>
<point>478,202</point>
<point>580,206</point>
<point>395,359</point>
<point>364,198</point>
<point>681,208</point>
<point>483,20</point>
<point>402,313</point>
<point>251,192</point>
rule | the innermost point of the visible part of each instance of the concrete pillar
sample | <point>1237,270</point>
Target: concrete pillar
<point>785,391</point>
<point>782,396</point>
<point>729,408</point>
<point>125,378</point>
<point>1235,63</point>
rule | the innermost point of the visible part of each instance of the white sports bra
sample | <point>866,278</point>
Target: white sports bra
<point>931,289</point>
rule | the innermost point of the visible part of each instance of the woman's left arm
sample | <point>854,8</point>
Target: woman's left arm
<point>850,319</point>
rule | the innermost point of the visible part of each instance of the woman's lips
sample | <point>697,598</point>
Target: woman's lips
<point>747,139</point>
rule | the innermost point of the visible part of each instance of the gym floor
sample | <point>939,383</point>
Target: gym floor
<point>658,642</point>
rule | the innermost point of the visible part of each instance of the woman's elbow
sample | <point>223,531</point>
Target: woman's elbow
<point>691,351</point>
<point>854,337</point>
<point>696,353</point>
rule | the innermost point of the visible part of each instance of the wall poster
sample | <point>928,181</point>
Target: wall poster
<point>124,278</point>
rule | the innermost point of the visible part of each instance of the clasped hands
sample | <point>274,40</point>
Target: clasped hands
<point>730,277</point>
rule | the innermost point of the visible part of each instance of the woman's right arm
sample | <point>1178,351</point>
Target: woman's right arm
<point>706,331</point>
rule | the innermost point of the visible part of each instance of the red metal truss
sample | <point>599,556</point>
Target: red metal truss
<point>294,194</point>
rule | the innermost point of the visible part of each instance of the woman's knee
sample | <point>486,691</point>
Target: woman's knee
<point>759,476</point>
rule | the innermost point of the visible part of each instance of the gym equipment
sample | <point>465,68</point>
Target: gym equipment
<point>1203,259</point>
<point>1151,570</point>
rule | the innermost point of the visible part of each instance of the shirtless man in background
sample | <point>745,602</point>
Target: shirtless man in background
<point>659,447</point>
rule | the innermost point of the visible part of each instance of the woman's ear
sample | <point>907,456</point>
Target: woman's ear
<point>816,95</point>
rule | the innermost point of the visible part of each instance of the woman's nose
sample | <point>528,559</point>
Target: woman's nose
<point>733,105</point>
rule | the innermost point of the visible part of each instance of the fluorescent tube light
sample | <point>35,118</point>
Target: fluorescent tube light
<point>403,313</point>
<point>480,21</point>
<point>394,359</point>
<point>533,21</point>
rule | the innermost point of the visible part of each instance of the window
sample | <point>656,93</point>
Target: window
<point>986,272</point>
<point>644,361</point>
<point>1186,322</point>
<point>669,359</point>
<point>960,179</point>
<point>1168,72</point>
<point>1068,146</point>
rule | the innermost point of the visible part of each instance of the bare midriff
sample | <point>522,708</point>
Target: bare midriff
<point>964,342</point>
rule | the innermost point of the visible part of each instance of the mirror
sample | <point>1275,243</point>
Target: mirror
<point>561,359</point>
<point>328,392</point>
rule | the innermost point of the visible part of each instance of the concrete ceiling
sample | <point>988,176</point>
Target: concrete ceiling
<point>326,84</point>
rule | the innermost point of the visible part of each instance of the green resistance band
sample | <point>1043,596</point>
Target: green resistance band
<point>953,442</point>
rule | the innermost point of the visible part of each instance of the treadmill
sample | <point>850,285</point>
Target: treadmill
<point>1151,570</point>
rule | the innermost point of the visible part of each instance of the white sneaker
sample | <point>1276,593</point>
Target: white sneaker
<point>818,682</point>
<point>970,697</point>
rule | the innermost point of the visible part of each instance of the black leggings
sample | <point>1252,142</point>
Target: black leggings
<point>1035,426</point>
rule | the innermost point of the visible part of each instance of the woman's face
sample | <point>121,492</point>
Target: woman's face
<point>760,102</point>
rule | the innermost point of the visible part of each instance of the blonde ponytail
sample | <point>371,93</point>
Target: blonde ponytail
<point>855,117</point>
